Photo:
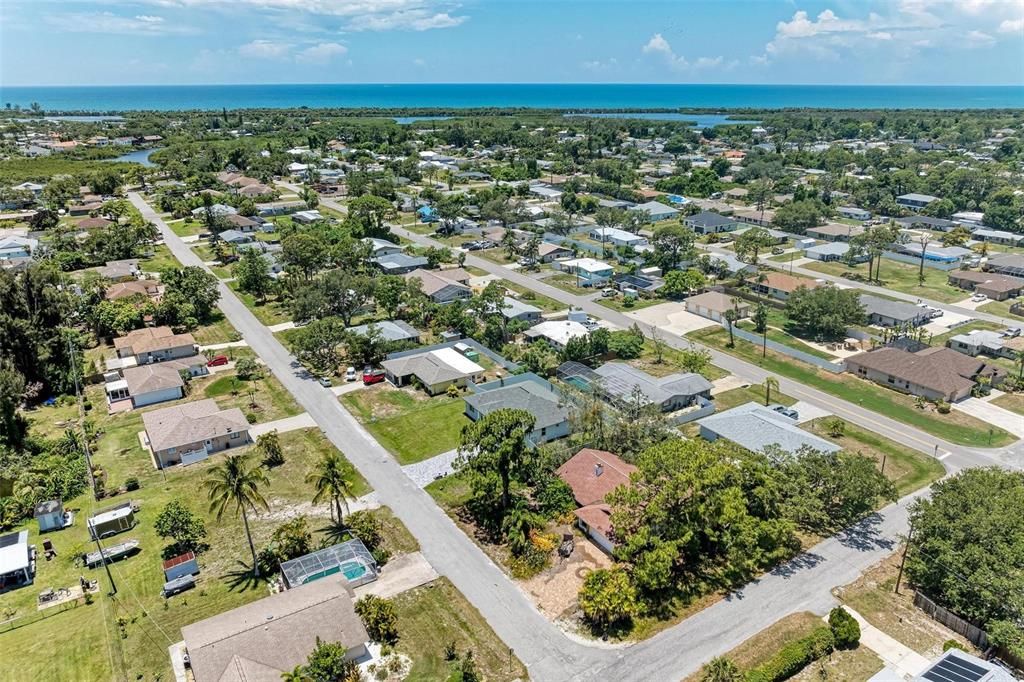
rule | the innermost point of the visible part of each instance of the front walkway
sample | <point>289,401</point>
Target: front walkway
<point>222,346</point>
<point>992,414</point>
<point>904,660</point>
<point>282,327</point>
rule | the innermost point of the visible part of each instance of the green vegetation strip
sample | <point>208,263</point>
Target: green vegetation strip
<point>954,427</point>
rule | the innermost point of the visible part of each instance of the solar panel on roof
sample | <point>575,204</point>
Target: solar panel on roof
<point>955,669</point>
<point>8,540</point>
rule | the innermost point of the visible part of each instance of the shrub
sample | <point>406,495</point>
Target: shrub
<point>794,657</point>
<point>845,628</point>
<point>608,597</point>
<point>835,427</point>
<point>379,617</point>
<point>942,407</point>
<point>250,417</point>
<point>131,483</point>
<point>952,644</point>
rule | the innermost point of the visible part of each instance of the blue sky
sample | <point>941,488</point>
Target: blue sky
<point>110,42</point>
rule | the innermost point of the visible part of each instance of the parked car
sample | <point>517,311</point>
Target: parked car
<point>373,376</point>
<point>608,292</point>
<point>350,374</point>
<point>526,262</point>
<point>218,361</point>
<point>778,251</point>
<point>324,381</point>
<point>979,297</point>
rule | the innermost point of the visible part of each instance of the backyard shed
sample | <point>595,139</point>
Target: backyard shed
<point>111,521</point>
<point>181,565</point>
<point>50,515</point>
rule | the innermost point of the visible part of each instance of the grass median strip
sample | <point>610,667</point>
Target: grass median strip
<point>955,427</point>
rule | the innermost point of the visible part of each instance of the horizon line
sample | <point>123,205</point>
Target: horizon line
<point>521,83</point>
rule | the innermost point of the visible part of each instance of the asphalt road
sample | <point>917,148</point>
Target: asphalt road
<point>802,584</point>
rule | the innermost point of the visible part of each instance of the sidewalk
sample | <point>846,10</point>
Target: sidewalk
<point>904,660</point>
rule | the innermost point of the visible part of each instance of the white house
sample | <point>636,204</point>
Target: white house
<point>657,210</point>
<point>617,237</point>
<point>589,272</point>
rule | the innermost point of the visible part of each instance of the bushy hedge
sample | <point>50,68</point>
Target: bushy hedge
<point>845,628</point>
<point>794,657</point>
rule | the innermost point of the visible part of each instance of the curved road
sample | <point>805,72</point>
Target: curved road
<point>802,584</point>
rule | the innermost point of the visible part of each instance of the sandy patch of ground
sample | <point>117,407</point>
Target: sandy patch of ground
<point>672,317</point>
<point>554,590</point>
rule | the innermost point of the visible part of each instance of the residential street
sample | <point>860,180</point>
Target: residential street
<point>803,584</point>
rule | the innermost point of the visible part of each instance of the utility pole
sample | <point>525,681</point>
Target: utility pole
<point>88,459</point>
<point>903,559</point>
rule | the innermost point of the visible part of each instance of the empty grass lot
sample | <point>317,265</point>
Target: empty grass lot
<point>941,339</point>
<point>91,646</point>
<point>160,259</point>
<point>909,470</point>
<point>955,427</point>
<point>272,400</point>
<point>1001,308</point>
<point>411,425</point>
<point>899,277</point>
<point>270,312</point>
<point>671,363</point>
<point>785,339</point>
<point>734,397</point>
<point>1014,402</point>
<point>435,615</point>
<point>548,305</point>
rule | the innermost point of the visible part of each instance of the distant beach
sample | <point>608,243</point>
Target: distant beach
<point>576,97</point>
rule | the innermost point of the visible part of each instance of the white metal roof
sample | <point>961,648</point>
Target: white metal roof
<point>13,552</point>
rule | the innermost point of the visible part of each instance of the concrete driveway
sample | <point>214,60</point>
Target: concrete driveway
<point>993,414</point>
<point>671,317</point>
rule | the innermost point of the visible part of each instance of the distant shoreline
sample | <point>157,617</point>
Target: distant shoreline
<point>464,99</point>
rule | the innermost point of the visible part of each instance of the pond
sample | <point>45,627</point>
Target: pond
<point>140,156</point>
<point>406,120</point>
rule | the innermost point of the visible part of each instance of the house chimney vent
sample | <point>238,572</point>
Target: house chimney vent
<point>598,469</point>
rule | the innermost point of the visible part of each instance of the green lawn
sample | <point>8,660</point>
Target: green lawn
<point>900,277</point>
<point>270,313</point>
<point>908,469</point>
<point>272,400</point>
<point>1010,401</point>
<point>218,330</point>
<point>184,228</point>
<point>161,259</point>
<point>91,647</point>
<point>435,615</point>
<point>671,362</point>
<point>754,393</point>
<point>955,427</point>
<point>1001,308</point>
<point>410,424</point>
<point>781,337</point>
<point>548,305</point>
<point>619,303</point>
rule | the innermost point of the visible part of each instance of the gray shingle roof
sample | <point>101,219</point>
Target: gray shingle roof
<point>621,379</point>
<point>390,330</point>
<point>897,310</point>
<point>535,399</point>
<point>755,427</point>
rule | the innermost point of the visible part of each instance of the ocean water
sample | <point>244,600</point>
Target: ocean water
<point>559,96</point>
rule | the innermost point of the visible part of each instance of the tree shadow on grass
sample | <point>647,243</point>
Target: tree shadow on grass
<point>335,532</point>
<point>242,579</point>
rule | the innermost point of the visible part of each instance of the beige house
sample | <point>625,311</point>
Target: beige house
<point>780,285</point>
<point>933,373</point>
<point>136,287</point>
<point>264,639</point>
<point>189,433</point>
<point>714,304</point>
<point>154,344</point>
<point>147,385</point>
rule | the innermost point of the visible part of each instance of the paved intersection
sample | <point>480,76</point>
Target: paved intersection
<point>802,584</point>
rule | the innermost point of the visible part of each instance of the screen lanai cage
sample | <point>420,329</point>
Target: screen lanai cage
<point>350,558</point>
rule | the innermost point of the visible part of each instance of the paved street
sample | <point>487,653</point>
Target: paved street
<point>803,584</point>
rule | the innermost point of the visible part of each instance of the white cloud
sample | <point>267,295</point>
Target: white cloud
<point>659,46</point>
<point>321,53</point>
<point>1012,26</point>
<point>880,35</point>
<point>264,49</point>
<point>413,19</point>
<point>978,39</point>
<point>108,22</point>
<point>358,15</point>
<point>598,66</point>
<point>420,62</point>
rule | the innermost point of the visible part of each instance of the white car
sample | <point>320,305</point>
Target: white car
<point>350,374</point>
<point>324,381</point>
<point>979,297</point>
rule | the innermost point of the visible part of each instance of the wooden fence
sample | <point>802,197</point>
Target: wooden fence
<point>973,633</point>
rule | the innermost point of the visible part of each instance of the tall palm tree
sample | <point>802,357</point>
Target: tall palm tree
<point>332,478</point>
<point>236,481</point>
<point>769,384</point>
<point>1019,357</point>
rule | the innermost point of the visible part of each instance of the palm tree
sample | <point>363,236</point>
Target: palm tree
<point>769,384</point>
<point>721,669</point>
<point>332,479</point>
<point>731,315</point>
<point>237,481</point>
<point>296,674</point>
<point>516,526</point>
<point>1019,357</point>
